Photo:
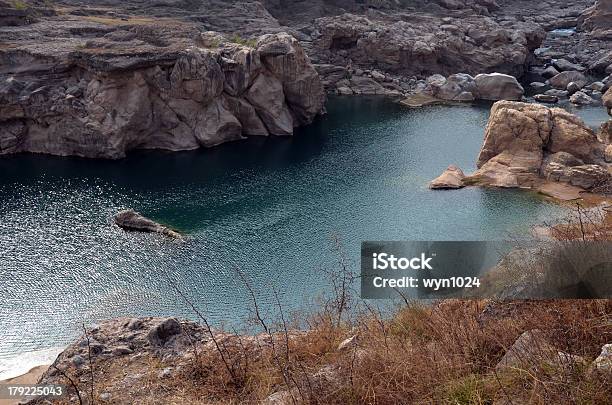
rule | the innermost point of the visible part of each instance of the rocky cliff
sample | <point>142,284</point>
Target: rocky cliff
<point>98,79</point>
<point>598,19</point>
<point>99,87</point>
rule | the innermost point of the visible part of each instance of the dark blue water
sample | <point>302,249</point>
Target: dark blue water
<point>270,207</point>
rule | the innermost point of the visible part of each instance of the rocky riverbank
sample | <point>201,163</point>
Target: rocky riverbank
<point>165,360</point>
<point>532,146</point>
<point>99,88</point>
<point>99,80</point>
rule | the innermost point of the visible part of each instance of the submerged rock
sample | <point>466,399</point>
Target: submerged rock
<point>130,220</point>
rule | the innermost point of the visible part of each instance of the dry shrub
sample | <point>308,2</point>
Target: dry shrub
<point>593,223</point>
<point>443,353</point>
<point>446,352</point>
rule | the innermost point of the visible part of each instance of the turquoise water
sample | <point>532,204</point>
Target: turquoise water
<point>270,207</point>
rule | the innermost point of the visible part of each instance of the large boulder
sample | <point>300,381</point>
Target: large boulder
<point>457,87</point>
<point>564,65</point>
<point>581,98</point>
<point>531,349</point>
<point>498,86</point>
<point>524,142</point>
<point>563,79</point>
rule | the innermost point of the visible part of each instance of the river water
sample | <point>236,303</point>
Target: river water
<point>269,207</point>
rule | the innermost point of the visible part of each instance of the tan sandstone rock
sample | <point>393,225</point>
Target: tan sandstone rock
<point>452,178</point>
<point>520,136</point>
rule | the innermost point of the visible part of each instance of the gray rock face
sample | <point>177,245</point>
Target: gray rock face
<point>463,87</point>
<point>110,93</point>
<point>584,176</point>
<point>457,87</point>
<point>497,86</point>
<point>598,19</point>
<point>563,79</point>
<point>581,98</point>
<point>422,44</point>
<point>564,65</point>
<point>163,331</point>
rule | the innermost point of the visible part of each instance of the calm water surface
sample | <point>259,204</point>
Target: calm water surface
<point>269,207</point>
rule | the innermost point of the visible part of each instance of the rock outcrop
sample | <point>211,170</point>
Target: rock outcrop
<point>130,220</point>
<point>108,88</point>
<point>604,361</point>
<point>420,44</point>
<point>463,87</point>
<point>526,143</point>
<point>598,19</point>
<point>452,178</point>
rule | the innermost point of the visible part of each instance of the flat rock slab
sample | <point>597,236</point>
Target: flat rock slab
<point>560,191</point>
<point>422,100</point>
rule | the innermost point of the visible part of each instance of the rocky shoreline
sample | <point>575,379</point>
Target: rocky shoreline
<point>154,360</point>
<point>100,80</point>
<point>532,146</point>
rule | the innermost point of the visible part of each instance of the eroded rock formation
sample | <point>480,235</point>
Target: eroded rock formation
<point>139,86</point>
<point>451,178</point>
<point>527,143</point>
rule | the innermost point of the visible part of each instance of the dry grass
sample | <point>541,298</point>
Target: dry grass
<point>593,223</point>
<point>442,354</point>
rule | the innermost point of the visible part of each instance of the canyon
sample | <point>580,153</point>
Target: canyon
<point>100,79</point>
